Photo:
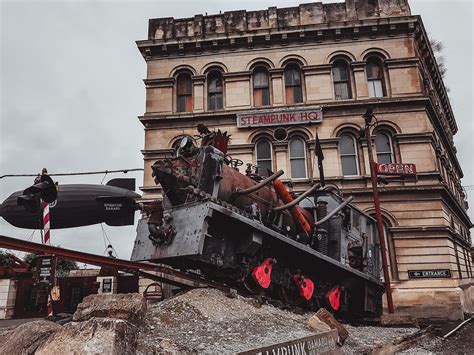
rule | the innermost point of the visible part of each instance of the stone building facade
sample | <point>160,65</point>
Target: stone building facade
<point>250,73</point>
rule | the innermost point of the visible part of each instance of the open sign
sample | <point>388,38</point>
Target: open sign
<point>395,169</point>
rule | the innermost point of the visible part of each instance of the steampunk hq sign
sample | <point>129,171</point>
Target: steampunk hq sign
<point>280,117</point>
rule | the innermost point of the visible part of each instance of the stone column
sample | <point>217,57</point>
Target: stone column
<point>360,80</point>
<point>198,93</point>
<point>277,86</point>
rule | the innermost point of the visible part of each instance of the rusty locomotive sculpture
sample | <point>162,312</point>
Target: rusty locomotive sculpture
<point>248,231</point>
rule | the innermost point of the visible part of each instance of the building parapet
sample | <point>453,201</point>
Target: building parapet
<point>238,22</point>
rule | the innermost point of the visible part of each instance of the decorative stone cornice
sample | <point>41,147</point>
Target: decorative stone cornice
<point>402,62</point>
<point>159,83</point>
<point>291,35</point>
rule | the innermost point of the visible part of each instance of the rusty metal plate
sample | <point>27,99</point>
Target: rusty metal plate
<point>190,224</point>
<point>323,343</point>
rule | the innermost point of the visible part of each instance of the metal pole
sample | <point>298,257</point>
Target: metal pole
<point>378,217</point>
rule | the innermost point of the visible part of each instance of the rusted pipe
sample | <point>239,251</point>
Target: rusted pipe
<point>259,185</point>
<point>334,211</point>
<point>297,200</point>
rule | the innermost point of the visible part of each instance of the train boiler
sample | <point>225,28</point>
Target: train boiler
<point>248,231</point>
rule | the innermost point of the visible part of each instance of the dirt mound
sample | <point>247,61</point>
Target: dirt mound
<point>207,321</point>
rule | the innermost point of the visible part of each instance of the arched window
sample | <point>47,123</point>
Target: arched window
<point>375,77</point>
<point>341,79</point>
<point>184,93</point>
<point>215,90</point>
<point>348,153</point>
<point>383,146</point>
<point>263,150</point>
<point>293,90</point>
<point>261,93</point>
<point>298,158</point>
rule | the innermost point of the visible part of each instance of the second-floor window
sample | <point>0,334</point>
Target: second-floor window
<point>341,79</point>
<point>263,150</point>
<point>383,146</point>
<point>261,93</point>
<point>293,91</point>
<point>375,78</point>
<point>348,154</point>
<point>184,93</point>
<point>215,91</point>
<point>297,158</point>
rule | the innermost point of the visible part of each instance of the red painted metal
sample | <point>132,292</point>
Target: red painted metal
<point>120,264</point>
<point>334,297</point>
<point>378,217</point>
<point>262,273</point>
<point>296,211</point>
<point>305,286</point>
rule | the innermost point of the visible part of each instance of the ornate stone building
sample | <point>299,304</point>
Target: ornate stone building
<point>274,77</point>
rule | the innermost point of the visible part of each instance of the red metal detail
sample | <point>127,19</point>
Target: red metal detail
<point>378,217</point>
<point>305,285</point>
<point>334,297</point>
<point>296,211</point>
<point>262,273</point>
<point>124,265</point>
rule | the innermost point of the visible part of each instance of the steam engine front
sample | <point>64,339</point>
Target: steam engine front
<point>248,231</point>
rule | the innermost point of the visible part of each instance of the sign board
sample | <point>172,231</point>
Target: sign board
<point>395,169</point>
<point>107,286</point>
<point>429,274</point>
<point>324,343</point>
<point>45,268</point>
<point>280,117</point>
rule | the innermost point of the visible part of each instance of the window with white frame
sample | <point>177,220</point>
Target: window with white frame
<point>293,86</point>
<point>263,154</point>
<point>261,92</point>
<point>348,154</point>
<point>297,158</point>
<point>341,80</point>
<point>375,77</point>
<point>383,146</point>
<point>215,91</point>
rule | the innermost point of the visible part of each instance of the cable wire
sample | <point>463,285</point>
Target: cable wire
<point>73,174</point>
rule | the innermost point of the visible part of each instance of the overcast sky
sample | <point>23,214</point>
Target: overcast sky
<point>71,90</point>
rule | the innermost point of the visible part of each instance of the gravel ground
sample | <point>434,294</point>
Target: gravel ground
<point>461,342</point>
<point>363,339</point>
<point>207,321</point>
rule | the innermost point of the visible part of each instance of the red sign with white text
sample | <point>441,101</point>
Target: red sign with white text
<point>395,169</point>
<point>280,117</point>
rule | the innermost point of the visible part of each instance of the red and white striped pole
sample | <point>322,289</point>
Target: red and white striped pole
<point>46,223</point>
<point>46,240</point>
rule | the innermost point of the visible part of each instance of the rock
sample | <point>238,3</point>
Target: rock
<point>27,337</point>
<point>398,320</point>
<point>130,307</point>
<point>316,324</point>
<point>329,319</point>
<point>94,336</point>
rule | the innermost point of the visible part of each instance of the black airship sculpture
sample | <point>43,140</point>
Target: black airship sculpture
<point>75,205</point>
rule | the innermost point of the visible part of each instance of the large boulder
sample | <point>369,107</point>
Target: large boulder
<point>27,337</point>
<point>130,307</point>
<point>94,336</point>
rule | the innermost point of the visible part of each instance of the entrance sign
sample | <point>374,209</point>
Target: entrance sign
<point>429,274</point>
<point>395,169</point>
<point>280,117</point>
